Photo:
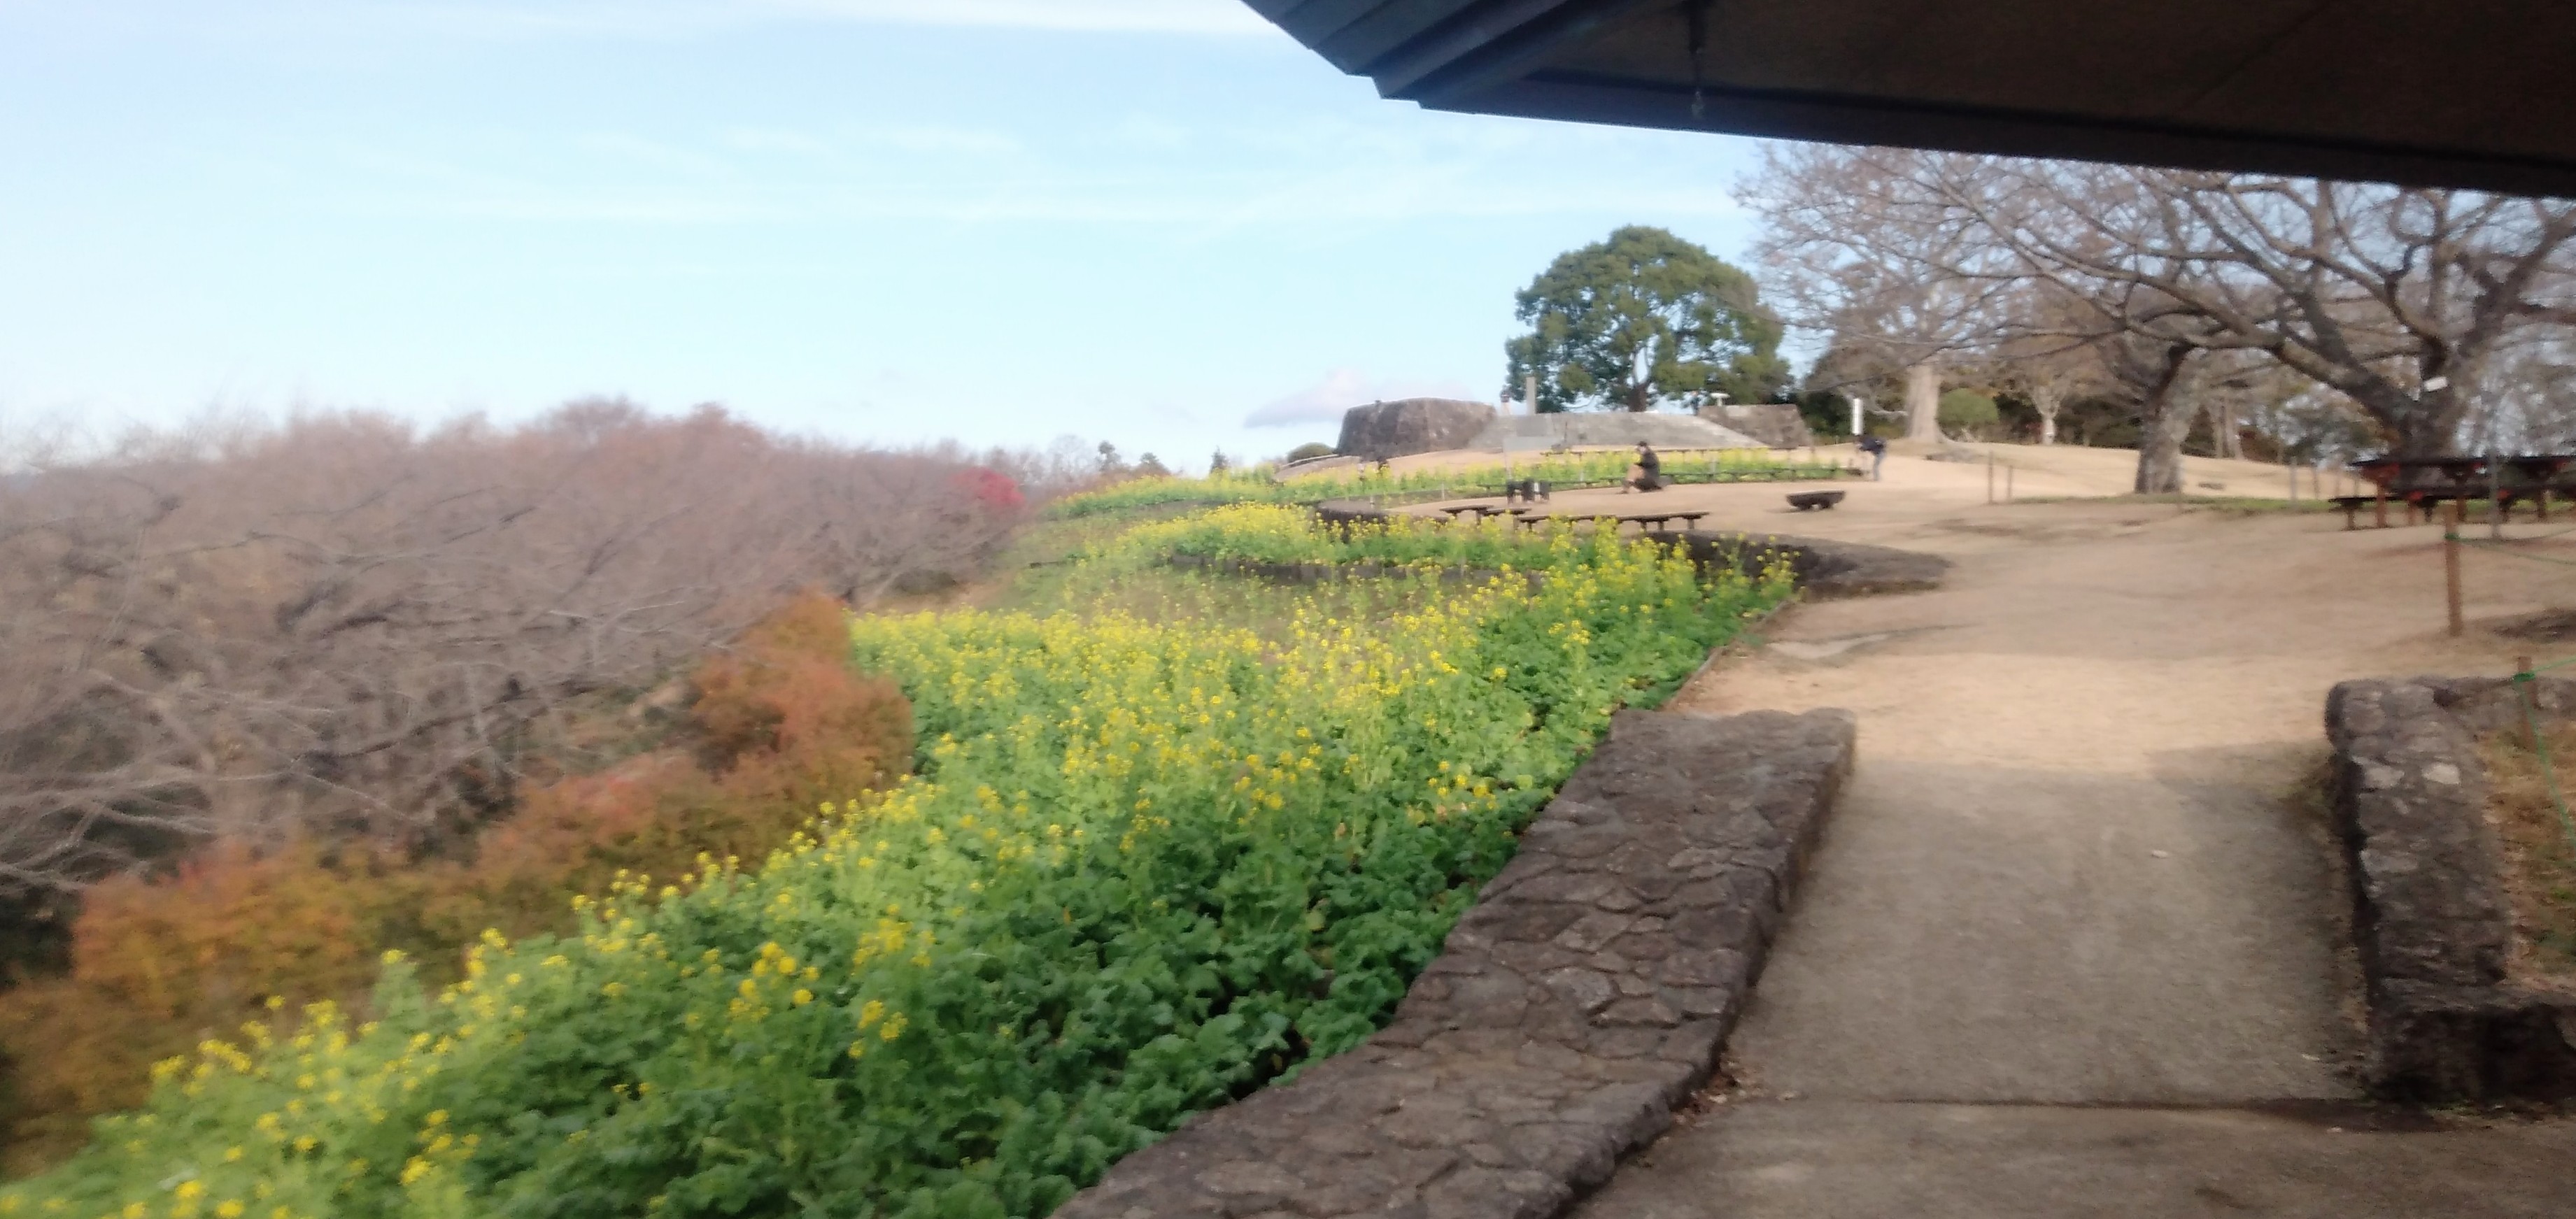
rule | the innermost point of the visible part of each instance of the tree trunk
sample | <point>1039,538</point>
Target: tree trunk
<point>2165,421</point>
<point>1637,398</point>
<point>1922,402</point>
<point>2223,440</point>
<point>2047,404</point>
<point>2433,428</point>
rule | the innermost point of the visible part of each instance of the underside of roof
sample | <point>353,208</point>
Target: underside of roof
<point>2466,93</point>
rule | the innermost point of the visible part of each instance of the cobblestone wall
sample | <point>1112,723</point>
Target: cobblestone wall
<point>2431,917</point>
<point>1586,993</point>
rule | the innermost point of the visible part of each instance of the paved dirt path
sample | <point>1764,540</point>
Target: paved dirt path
<point>2077,866</point>
<point>2067,869</point>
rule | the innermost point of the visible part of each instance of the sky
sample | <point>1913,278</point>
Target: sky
<point>1155,222</point>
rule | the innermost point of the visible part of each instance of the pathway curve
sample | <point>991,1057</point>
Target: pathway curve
<point>2077,868</point>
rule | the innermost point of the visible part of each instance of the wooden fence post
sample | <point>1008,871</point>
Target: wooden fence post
<point>2451,569</point>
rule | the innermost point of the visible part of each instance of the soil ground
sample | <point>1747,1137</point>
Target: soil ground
<point>2072,945</point>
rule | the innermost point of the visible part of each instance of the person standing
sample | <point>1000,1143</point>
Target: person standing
<point>1877,450</point>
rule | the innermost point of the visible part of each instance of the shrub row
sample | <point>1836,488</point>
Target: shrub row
<point>1144,866</point>
<point>1266,535</point>
<point>1257,486</point>
<point>161,964</point>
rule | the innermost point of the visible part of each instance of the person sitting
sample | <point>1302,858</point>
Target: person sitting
<point>1648,472</point>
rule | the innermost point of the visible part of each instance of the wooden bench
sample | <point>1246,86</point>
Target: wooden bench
<point>1655,522</point>
<point>1651,522</point>
<point>1478,511</point>
<point>1805,500</point>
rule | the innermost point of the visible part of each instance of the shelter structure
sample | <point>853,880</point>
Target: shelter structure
<point>2471,93</point>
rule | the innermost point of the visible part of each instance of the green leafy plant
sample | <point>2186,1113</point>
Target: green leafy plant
<point>1145,864</point>
<point>1258,486</point>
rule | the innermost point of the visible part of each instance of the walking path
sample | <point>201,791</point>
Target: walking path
<point>2072,945</point>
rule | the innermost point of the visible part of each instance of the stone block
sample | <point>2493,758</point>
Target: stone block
<point>1384,430</point>
<point>2431,917</point>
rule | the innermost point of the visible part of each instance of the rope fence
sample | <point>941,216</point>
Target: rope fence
<point>2455,544</point>
<point>2526,673</point>
<point>2540,743</point>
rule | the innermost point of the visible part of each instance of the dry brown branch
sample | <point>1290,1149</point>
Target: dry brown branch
<point>346,624</point>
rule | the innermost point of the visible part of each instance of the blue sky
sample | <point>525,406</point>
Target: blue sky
<point>1149,221</point>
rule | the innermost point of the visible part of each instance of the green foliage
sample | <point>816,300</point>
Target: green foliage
<point>1257,486</point>
<point>1310,451</point>
<point>1827,415</point>
<point>782,721</point>
<point>1146,865</point>
<point>1265,535</point>
<point>1967,410</point>
<point>1644,316</point>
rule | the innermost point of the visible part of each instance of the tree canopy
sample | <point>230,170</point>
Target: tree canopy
<point>2424,312</point>
<point>1640,318</point>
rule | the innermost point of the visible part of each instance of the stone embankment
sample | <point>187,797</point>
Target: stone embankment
<point>2431,916</point>
<point>1586,993</point>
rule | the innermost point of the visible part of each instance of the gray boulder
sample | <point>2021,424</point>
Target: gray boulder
<point>1382,430</point>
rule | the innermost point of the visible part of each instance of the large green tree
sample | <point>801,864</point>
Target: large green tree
<point>1642,317</point>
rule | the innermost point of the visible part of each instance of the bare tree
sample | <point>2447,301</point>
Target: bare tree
<point>2399,299</point>
<point>2395,297</point>
<point>2528,398</point>
<point>2051,349</point>
<point>1888,272</point>
<point>346,624</point>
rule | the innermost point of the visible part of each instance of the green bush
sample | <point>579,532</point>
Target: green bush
<point>781,721</point>
<point>1257,486</point>
<point>1967,410</point>
<point>1146,865</point>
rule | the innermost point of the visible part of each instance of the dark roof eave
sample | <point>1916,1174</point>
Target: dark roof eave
<point>1843,119</point>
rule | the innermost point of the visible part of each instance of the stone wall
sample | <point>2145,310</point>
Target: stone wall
<point>2432,919</point>
<point>1608,428</point>
<point>1585,994</point>
<point>1384,430</point>
<point>1776,424</point>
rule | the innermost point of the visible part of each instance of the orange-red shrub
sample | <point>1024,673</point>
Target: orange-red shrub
<point>161,965</point>
<point>780,724</point>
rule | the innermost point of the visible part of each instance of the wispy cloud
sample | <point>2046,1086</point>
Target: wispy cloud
<point>1340,390</point>
<point>1200,182</point>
